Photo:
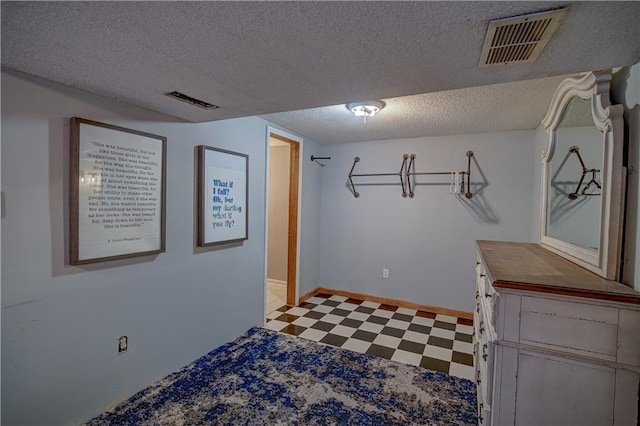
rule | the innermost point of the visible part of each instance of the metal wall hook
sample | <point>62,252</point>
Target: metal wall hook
<point>314,158</point>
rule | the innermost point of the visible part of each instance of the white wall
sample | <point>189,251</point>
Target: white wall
<point>626,91</point>
<point>60,323</point>
<point>278,191</point>
<point>427,242</point>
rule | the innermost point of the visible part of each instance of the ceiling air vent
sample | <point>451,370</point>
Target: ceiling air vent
<point>193,101</point>
<point>519,39</point>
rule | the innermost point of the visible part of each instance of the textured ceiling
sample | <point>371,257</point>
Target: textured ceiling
<point>494,108</point>
<point>254,58</point>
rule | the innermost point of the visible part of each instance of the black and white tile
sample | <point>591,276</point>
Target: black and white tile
<point>430,340</point>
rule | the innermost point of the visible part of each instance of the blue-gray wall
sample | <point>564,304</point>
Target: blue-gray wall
<point>309,233</point>
<point>60,323</point>
<point>428,242</point>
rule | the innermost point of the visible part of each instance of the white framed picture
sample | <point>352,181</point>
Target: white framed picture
<point>116,192</point>
<point>222,196</point>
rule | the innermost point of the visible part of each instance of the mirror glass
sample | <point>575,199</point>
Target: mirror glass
<point>574,187</point>
<point>582,175</point>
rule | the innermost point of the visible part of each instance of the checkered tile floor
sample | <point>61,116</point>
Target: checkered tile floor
<point>434,341</point>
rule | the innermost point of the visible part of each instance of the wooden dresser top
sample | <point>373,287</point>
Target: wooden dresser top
<point>528,266</point>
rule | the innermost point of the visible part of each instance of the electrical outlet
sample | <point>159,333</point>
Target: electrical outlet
<point>123,344</point>
<point>385,273</point>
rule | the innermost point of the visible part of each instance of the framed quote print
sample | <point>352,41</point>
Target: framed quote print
<point>222,196</point>
<point>116,192</point>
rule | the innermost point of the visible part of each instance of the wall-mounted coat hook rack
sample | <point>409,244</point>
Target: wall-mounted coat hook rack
<point>407,170</point>
<point>314,158</point>
<point>576,150</point>
<point>460,186</point>
<point>400,174</point>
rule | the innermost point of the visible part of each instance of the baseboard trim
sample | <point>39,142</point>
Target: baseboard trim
<point>388,301</point>
<point>276,282</point>
<point>308,295</point>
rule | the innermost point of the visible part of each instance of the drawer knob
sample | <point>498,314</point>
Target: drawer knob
<point>484,351</point>
<point>482,275</point>
<point>481,327</point>
<point>487,295</point>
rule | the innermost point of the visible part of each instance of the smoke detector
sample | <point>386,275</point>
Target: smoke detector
<point>519,39</point>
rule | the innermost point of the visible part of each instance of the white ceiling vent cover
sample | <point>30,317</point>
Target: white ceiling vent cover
<point>519,39</point>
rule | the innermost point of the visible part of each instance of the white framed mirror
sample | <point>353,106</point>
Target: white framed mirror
<point>582,175</point>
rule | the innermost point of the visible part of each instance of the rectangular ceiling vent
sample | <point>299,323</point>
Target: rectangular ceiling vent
<point>519,39</point>
<point>193,101</point>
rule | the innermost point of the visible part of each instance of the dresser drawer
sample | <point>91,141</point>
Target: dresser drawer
<point>484,374</point>
<point>579,328</point>
<point>484,411</point>
<point>485,295</point>
<point>483,351</point>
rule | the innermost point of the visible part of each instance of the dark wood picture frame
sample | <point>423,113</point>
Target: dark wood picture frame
<point>117,192</point>
<point>223,197</point>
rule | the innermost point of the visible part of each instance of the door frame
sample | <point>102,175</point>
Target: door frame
<point>295,205</point>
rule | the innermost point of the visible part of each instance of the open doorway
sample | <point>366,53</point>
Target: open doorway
<point>282,221</point>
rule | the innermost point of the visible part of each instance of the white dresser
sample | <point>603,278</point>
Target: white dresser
<point>555,344</point>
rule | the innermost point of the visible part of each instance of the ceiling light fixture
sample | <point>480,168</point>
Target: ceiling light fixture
<point>365,109</point>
